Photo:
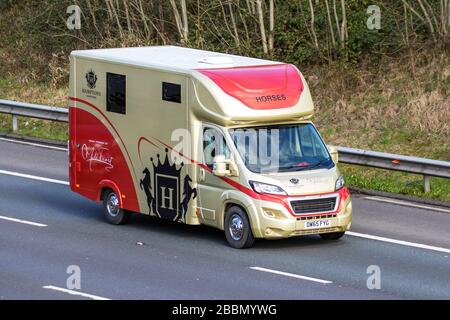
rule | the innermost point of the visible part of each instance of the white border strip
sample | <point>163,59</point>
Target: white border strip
<point>407,204</point>
<point>31,223</point>
<point>75,293</point>
<point>33,144</point>
<point>29,176</point>
<point>292,275</point>
<point>400,242</point>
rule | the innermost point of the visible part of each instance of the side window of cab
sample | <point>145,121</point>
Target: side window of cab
<point>214,144</point>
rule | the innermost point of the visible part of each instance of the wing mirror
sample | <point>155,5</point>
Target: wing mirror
<point>334,153</point>
<point>224,167</point>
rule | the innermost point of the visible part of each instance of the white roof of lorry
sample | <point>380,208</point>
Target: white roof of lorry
<point>173,58</point>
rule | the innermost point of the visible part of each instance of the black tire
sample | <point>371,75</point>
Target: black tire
<point>241,237</point>
<point>332,235</point>
<point>113,213</point>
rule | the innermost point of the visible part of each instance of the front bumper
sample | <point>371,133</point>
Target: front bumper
<point>272,221</point>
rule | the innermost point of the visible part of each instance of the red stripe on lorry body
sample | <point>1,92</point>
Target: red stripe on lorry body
<point>280,199</point>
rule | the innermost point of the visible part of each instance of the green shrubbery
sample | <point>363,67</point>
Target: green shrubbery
<point>305,32</point>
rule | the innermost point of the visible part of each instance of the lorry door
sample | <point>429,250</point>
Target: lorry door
<point>74,165</point>
<point>89,156</point>
<point>210,186</point>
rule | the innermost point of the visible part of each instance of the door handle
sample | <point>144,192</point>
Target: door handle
<point>202,174</point>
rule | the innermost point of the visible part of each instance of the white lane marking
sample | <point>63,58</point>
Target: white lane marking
<point>400,242</point>
<point>33,144</point>
<point>31,223</point>
<point>292,275</point>
<point>75,293</point>
<point>29,176</point>
<point>408,204</point>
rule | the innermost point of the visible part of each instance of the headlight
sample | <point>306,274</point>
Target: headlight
<point>339,183</point>
<point>266,188</point>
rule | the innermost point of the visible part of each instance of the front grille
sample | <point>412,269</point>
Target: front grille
<point>314,205</point>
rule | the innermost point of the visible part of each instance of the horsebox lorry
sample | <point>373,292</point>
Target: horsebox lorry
<point>201,137</point>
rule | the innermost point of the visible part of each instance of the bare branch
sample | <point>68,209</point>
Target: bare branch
<point>261,25</point>
<point>178,22</point>
<point>271,25</point>
<point>313,28</point>
<point>185,20</point>
<point>333,40</point>
<point>233,22</point>
<point>427,17</point>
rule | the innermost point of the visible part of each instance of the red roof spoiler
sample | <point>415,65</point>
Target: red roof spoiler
<point>260,87</point>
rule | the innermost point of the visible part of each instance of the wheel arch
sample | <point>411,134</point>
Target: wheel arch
<point>108,184</point>
<point>233,198</point>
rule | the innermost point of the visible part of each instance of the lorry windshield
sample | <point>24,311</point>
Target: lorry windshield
<point>282,148</point>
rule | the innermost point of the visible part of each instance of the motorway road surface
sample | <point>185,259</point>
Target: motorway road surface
<point>154,259</point>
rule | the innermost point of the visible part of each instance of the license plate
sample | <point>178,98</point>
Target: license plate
<point>317,224</point>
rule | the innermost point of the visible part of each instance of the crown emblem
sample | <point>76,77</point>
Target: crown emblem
<point>165,167</point>
<point>164,193</point>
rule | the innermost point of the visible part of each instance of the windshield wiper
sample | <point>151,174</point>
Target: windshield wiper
<point>295,167</point>
<point>299,168</point>
<point>317,164</point>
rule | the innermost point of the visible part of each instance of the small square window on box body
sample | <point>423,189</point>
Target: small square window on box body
<point>171,92</point>
<point>115,93</point>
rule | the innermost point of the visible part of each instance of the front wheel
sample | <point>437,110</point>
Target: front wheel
<point>332,235</point>
<point>237,228</point>
<point>112,211</point>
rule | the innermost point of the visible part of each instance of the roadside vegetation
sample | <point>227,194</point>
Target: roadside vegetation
<point>385,90</point>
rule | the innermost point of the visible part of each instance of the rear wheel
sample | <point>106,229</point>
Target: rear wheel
<point>112,211</point>
<point>332,235</point>
<point>237,228</point>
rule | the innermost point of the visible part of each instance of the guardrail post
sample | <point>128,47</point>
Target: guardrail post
<point>15,124</point>
<point>426,184</point>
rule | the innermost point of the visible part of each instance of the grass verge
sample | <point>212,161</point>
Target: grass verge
<point>396,182</point>
<point>29,127</point>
